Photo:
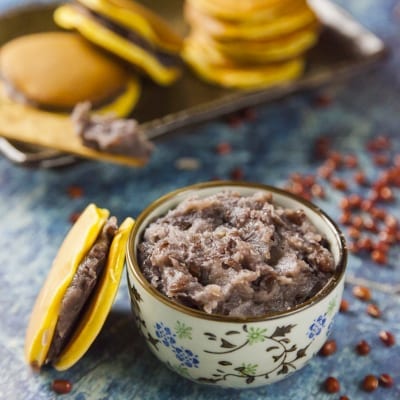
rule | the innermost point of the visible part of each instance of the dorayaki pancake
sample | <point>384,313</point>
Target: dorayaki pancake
<point>257,51</point>
<point>129,31</point>
<point>137,18</point>
<point>79,290</point>
<point>298,17</point>
<point>242,77</point>
<point>57,70</point>
<point>249,11</point>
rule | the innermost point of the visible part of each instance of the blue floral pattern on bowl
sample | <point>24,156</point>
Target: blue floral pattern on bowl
<point>167,337</point>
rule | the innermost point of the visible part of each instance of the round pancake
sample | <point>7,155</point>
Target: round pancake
<point>260,51</point>
<point>241,77</point>
<point>57,70</point>
<point>298,17</point>
<point>245,10</point>
<point>43,318</point>
<point>139,19</point>
<point>71,17</point>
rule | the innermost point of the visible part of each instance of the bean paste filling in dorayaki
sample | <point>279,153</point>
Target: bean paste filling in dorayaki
<point>165,58</point>
<point>81,289</point>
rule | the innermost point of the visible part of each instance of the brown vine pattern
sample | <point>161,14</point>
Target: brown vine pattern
<point>284,360</point>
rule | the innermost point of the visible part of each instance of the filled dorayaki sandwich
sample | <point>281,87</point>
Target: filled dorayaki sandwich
<point>129,31</point>
<point>54,71</point>
<point>79,290</point>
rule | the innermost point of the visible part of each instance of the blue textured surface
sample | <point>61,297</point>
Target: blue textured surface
<point>35,208</point>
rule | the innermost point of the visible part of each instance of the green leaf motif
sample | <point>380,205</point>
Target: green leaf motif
<point>248,369</point>
<point>182,370</point>
<point>331,307</point>
<point>256,335</point>
<point>183,331</point>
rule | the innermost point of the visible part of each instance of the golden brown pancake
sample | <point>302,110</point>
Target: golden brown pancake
<point>129,31</point>
<point>57,70</point>
<point>237,76</point>
<point>299,16</point>
<point>261,51</point>
<point>249,10</point>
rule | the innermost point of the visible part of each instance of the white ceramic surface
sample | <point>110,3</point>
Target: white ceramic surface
<point>226,351</point>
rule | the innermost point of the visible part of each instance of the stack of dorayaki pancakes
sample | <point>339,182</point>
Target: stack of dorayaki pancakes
<point>249,44</point>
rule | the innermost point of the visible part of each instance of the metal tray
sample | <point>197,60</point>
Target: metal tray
<point>345,47</point>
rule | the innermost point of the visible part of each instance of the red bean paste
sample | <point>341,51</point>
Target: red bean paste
<point>235,255</point>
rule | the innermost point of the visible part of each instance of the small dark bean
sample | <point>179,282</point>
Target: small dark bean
<point>61,386</point>
<point>344,306</point>
<point>387,338</point>
<point>386,380</point>
<point>362,292</point>
<point>370,383</point>
<point>363,348</point>
<point>332,385</point>
<point>328,348</point>
<point>373,310</point>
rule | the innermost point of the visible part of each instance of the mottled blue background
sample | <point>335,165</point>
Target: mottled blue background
<point>35,209</point>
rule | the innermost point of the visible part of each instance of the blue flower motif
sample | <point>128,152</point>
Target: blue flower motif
<point>165,334</point>
<point>316,327</point>
<point>186,357</point>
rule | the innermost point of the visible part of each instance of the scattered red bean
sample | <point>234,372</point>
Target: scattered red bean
<point>75,191</point>
<point>323,100</point>
<point>362,292</point>
<point>370,225</point>
<point>387,237</point>
<point>350,161</point>
<point>332,385</point>
<point>360,178</point>
<point>223,148</point>
<point>379,143</point>
<point>387,338</point>
<point>344,306</point>
<point>354,233</point>
<point>385,380</point>
<point>237,173</point>
<point>365,244</point>
<point>380,159</point>
<point>321,147</point>
<point>367,205</point>
<point>379,257</point>
<point>328,348</point>
<point>370,383</point>
<point>391,223</point>
<point>378,213</point>
<point>385,194</point>
<point>325,171</point>
<point>381,246</point>
<point>61,386</point>
<point>317,191</point>
<point>363,348</point>
<point>338,183</point>
<point>345,218</point>
<point>343,398</point>
<point>373,310</point>
<point>353,247</point>
<point>358,222</point>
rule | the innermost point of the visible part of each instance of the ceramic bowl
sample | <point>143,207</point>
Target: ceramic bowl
<point>227,351</point>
